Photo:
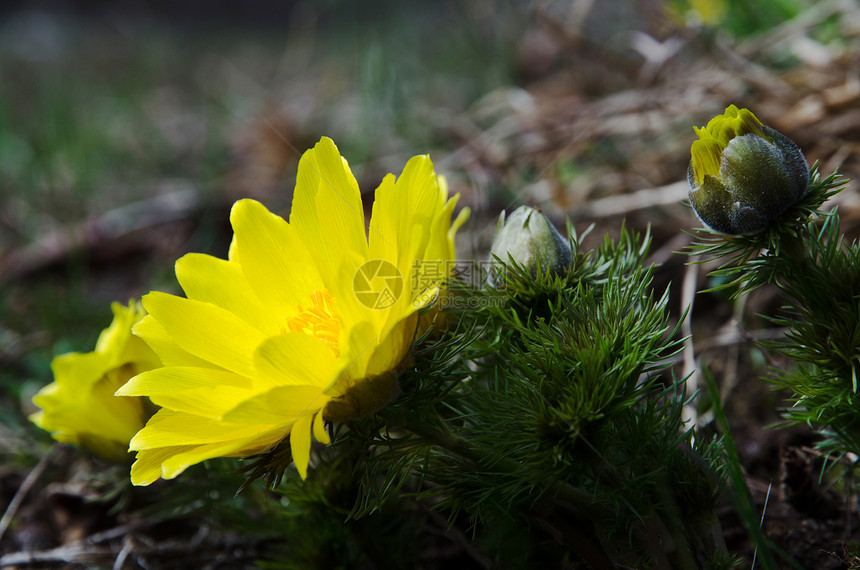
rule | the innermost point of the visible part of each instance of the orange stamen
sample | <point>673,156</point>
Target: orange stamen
<point>318,320</point>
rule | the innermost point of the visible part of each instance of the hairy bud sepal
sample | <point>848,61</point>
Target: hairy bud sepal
<point>743,175</point>
<point>528,238</point>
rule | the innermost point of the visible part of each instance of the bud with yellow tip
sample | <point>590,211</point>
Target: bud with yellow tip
<point>744,174</point>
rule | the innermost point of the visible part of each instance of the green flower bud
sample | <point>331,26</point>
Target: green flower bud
<point>744,174</point>
<point>527,236</point>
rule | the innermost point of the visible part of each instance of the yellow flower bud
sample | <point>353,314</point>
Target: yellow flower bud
<point>744,174</point>
<point>529,238</point>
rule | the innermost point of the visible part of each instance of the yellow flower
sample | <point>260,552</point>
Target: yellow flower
<point>743,174</point>
<point>306,320</point>
<point>79,407</point>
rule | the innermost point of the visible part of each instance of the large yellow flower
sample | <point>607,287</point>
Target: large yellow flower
<point>79,407</point>
<point>304,322</point>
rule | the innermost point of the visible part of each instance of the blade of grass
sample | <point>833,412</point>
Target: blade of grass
<point>740,495</point>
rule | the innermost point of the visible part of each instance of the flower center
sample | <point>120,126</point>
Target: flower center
<point>318,320</point>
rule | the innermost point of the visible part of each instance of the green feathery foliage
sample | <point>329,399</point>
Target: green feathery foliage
<point>571,419</point>
<point>822,318</point>
<point>316,531</point>
<point>818,274</point>
<point>546,422</point>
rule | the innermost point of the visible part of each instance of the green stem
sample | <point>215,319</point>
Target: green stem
<point>682,552</point>
<point>793,246</point>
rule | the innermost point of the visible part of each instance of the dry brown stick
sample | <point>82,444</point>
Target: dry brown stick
<point>752,72</point>
<point>25,487</point>
<point>135,218</point>
<point>85,553</point>
<point>808,19</point>
<point>73,554</point>
<point>622,204</point>
<point>690,370</point>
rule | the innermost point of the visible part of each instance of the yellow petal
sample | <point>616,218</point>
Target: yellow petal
<point>438,248</point>
<point>295,359</point>
<point>207,392</point>
<point>452,232</point>
<point>320,434</point>
<point>78,372</point>
<point>180,378</point>
<point>147,468</point>
<point>157,338</point>
<point>117,343</point>
<point>347,306</point>
<point>112,339</point>
<point>169,462</point>
<point>282,406</point>
<point>706,153</point>
<point>210,403</point>
<point>300,444</point>
<point>168,428</point>
<point>339,200</point>
<point>274,259</point>
<point>364,347</point>
<point>207,331</point>
<point>175,464</point>
<point>212,280</point>
<point>398,210</point>
<point>94,412</point>
<point>110,416</point>
<point>38,418</point>
<point>393,347</point>
<point>382,236</point>
<point>326,189</point>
